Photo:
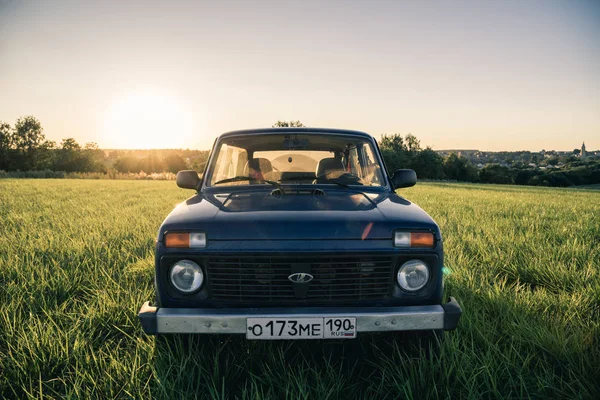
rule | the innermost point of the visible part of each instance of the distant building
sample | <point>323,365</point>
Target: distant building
<point>583,153</point>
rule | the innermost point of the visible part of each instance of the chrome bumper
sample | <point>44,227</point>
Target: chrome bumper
<point>233,320</point>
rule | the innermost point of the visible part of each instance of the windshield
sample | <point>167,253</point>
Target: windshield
<point>280,159</point>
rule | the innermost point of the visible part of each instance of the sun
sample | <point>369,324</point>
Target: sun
<point>144,120</point>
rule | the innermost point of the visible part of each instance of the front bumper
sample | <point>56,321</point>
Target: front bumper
<point>233,320</point>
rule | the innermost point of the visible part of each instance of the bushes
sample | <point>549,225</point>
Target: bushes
<point>460,169</point>
<point>44,174</point>
<point>586,174</point>
<point>496,173</point>
<point>111,174</point>
<point>428,164</point>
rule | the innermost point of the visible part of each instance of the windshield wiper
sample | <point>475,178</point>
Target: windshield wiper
<point>338,183</point>
<point>331,182</point>
<point>246,178</point>
<point>354,180</point>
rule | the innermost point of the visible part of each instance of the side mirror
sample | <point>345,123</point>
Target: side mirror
<point>404,178</point>
<point>188,179</point>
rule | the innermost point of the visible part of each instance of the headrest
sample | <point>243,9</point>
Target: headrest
<point>328,165</point>
<point>259,165</point>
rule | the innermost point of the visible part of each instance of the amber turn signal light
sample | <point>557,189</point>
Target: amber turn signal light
<point>421,239</point>
<point>177,239</point>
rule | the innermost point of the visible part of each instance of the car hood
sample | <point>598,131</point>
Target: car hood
<point>297,215</point>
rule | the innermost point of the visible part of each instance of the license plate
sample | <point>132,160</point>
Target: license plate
<point>300,328</point>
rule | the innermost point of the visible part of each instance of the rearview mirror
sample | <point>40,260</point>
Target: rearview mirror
<point>188,179</point>
<point>404,178</point>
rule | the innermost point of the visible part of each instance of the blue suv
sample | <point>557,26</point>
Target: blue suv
<point>298,233</point>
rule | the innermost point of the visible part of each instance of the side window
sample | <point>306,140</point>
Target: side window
<point>230,166</point>
<point>353,164</point>
<point>230,161</point>
<point>364,160</point>
<point>219,172</point>
<point>370,169</point>
<point>242,159</point>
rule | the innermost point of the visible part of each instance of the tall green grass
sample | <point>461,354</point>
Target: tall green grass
<point>76,263</point>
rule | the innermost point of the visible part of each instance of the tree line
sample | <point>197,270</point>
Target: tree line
<point>24,147</point>
<point>406,152</point>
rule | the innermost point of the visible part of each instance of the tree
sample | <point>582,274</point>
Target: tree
<point>70,144</point>
<point>495,173</point>
<point>459,169</point>
<point>151,163</point>
<point>68,156</point>
<point>394,152</point>
<point>5,145</point>
<point>552,161</point>
<point>127,164</point>
<point>412,143</point>
<point>94,157</point>
<point>174,163</point>
<point>413,148</point>
<point>536,158</point>
<point>45,155</point>
<point>393,142</point>
<point>428,164</point>
<point>28,137</point>
<point>288,124</point>
<point>524,176</point>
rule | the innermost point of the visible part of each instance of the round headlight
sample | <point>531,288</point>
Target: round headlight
<point>186,276</point>
<point>413,275</point>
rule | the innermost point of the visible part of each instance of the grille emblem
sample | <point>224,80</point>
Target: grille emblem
<point>300,277</point>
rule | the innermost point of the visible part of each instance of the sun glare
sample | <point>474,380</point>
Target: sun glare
<point>148,121</point>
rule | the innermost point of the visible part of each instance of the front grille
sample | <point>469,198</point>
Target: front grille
<point>265,279</point>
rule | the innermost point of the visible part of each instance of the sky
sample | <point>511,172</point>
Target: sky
<point>487,75</point>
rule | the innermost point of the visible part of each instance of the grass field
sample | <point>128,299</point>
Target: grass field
<point>76,263</point>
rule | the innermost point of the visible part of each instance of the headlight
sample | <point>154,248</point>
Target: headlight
<point>186,276</point>
<point>413,275</point>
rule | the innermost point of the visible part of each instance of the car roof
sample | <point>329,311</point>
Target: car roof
<point>307,131</point>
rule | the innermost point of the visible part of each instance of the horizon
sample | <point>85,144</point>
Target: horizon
<point>497,76</point>
<point>378,139</point>
<point>422,146</point>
